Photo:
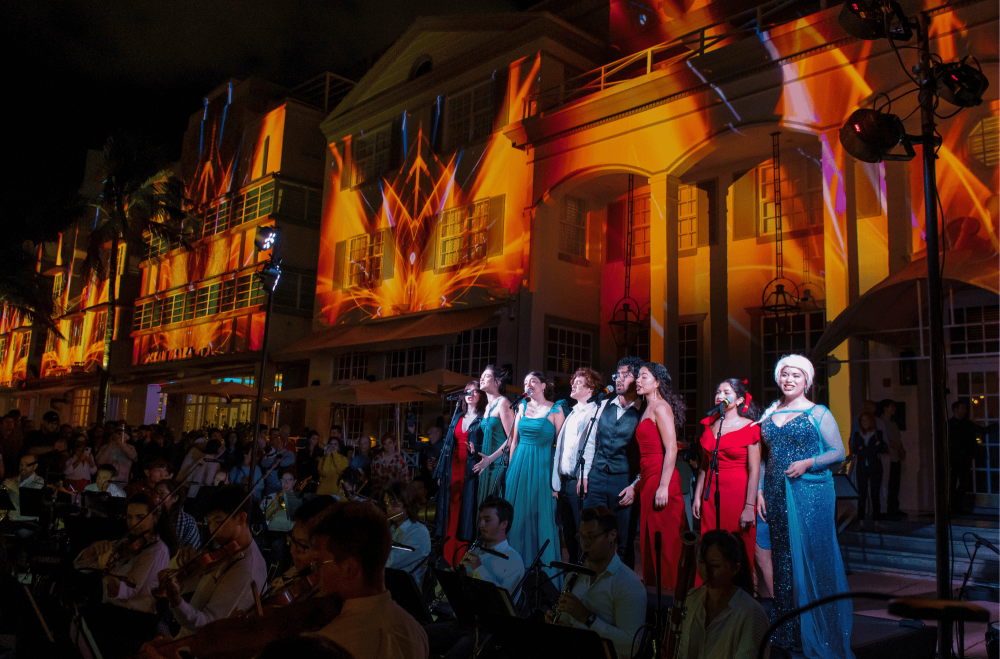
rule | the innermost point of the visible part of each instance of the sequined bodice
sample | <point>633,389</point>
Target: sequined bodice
<point>796,440</point>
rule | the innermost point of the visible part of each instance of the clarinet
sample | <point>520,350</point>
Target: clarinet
<point>568,587</point>
<point>685,578</point>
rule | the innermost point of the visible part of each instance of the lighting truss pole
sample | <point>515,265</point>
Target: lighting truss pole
<point>272,268</point>
<point>938,375</point>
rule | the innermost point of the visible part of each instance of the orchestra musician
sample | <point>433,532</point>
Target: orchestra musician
<point>351,545</point>
<point>279,511</point>
<point>454,640</point>
<point>299,538</point>
<point>226,587</point>
<point>402,502</point>
<point>126,616</point>
<point>612,603</point>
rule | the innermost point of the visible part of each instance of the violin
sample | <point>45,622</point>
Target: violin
<point>203,563</point>
<point>126,547</point>
<point>298,589</point>
<point>243,637</point>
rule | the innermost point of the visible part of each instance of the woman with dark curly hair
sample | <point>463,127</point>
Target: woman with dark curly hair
<point>497,421</point>
<point>661,502</point>
<point>738,438</point>
<point>457,508</point>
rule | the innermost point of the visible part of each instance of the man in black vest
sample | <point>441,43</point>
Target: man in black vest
<point>610,473</point>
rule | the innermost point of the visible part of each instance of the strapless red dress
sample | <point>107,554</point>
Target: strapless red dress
<point>669,521</point>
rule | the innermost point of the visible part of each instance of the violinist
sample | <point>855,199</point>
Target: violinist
<point>172,496</point>
<point>279,510</point>
<point>351,545</point>
<point>126,616</point>
<point>226,586</point>
<point>401,503</point>
<point>299,539</point>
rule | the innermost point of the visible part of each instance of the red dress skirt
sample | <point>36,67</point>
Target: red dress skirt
<point>453,549</point>
<point>733,478</point>
<point>669,520</point>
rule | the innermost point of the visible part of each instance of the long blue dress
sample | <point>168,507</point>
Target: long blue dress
<point>529,491</point>
<point>805,552</point>
<point>493,438</point>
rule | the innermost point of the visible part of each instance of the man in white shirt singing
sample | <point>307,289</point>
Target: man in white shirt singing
<point>613,602</point>
<point>576,442</point>
<point>454,640</point>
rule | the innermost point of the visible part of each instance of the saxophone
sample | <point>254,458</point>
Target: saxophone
<point>685,578</point>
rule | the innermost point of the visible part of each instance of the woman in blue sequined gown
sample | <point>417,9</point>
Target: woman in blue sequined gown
<point>527,488</point>
<point>798,501</point>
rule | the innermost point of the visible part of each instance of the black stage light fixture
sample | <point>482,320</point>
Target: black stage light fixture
<point>960,84</point>
<point>870,135</point>
<point>875,19</point>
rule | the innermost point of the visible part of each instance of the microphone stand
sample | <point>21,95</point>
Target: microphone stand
<point>658,624</point>
<point>713,468</point>
<point>535,566</point>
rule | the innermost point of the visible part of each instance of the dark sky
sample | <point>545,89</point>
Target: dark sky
<point>77,69</point>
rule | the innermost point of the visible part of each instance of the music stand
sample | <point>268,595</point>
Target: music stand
<point>103,504</point>
<point>403,588</point>
<point>30,501</point>
<point>531,638</point>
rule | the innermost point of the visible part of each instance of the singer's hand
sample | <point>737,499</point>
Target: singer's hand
<point>747,518</point>
<point>661,498</point>
<point>761,506</point>
<point>481,466</point>
<point>627,496</point>
<point>571,604</point>
<point>799,467</point>
<point>472,448</point>
<point>696,507</point>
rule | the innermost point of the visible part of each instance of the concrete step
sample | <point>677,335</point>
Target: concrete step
<point>909,548</point>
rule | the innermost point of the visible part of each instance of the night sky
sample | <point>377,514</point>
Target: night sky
<point>79,69</point>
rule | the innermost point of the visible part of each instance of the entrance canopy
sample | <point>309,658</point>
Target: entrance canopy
<point>394,328</point>
<point>894,310</point>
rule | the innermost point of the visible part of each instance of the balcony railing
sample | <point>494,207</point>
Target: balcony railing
<point>750,22</point>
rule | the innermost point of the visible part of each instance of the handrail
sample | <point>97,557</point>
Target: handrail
<point>661,56</point>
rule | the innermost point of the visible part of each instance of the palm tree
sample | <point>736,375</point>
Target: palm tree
<point>139,198</point>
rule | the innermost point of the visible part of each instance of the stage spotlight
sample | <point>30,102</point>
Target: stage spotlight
<point>869,136</point>
<point>960,84</point>
<point>265,238</point>
<point>874,19</point>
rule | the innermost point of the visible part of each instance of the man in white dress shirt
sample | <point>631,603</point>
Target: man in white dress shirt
<point>25,478</point>
<point>401,503</point>
<point>576,441</point>
<point>453,640</point>
<point>351,544</point>
<point>612,603</point>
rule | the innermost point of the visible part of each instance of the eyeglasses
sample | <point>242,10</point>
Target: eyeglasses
<point>587,539</point>
<point>316,565</point>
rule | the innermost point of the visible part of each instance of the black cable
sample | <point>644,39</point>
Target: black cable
<point>888,103</point>
<point>883,597</point>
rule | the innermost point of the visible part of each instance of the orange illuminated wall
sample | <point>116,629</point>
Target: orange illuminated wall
<point>13,346</point>
<point>205,301</point>
<point>410,213</point>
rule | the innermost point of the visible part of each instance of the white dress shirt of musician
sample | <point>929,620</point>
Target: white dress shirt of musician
<point>612,603</point>
<point>227,588</point>
<point>496,517</point>
<point>129,582</point>
<point>400,501</point>
<point>571,436</point>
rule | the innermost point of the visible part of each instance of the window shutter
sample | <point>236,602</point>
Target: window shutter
<point>745,206</point>
<point>616,231</point>
<point>395,144</point>
<point>430,249</point>
<point>494,231</point>
<point>867,189</point>
<point>500,101</point>
<point>388,254</point>
<point>708,220</point>
<point>339,259</point>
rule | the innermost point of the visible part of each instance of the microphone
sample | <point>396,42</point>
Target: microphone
<point>721,407</point>
<point>518,400</point>
<point>605,392</point>
<point>456,395</point>
<point>986,543</point>
<point>572,567</point>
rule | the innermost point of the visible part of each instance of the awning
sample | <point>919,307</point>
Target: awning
<point>59,390</point>
<point>227,390</point>
<point>893,310</point>
<point>408,326</point>
<point>356,393</point>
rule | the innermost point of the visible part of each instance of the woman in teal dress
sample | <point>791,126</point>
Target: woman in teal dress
<point>528,485</point>
<point>496,425</point>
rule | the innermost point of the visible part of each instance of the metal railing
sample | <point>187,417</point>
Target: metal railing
<point>750,22</point>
